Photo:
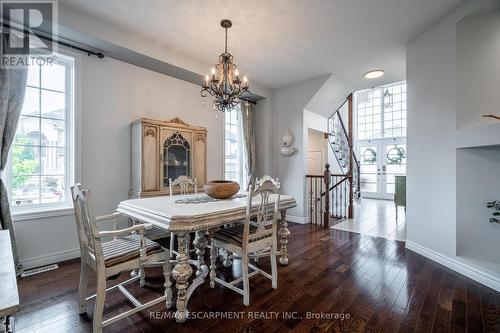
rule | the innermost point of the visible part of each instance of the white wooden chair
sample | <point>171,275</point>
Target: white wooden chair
<point>256,236</point>
<point>161,236</point>
<point>183,182</point>
<point>127,250</point>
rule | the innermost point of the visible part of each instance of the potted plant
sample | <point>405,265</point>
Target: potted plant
<point>495,205</point>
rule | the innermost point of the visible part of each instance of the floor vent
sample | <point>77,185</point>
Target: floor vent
<point>39,270</point>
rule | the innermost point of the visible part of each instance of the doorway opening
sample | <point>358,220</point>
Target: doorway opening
<point>380,143</point>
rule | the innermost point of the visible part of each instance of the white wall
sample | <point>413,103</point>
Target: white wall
<point>478,68</point>
<point>432,123</point>
<point>287,113</point>
<point>264,138</point>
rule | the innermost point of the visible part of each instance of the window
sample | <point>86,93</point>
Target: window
<point>40,168</point>
<point>395,112</point>
<point>233,147</point>
<point>381,112</point>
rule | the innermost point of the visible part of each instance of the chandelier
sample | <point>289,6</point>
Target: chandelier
<point>225,84</point>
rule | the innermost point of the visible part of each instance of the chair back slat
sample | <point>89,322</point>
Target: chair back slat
<point>183,182</point>
<point>265,216</point>
<point>85,221</point>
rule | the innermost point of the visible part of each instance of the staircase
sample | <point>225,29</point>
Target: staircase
<point>332,195</point>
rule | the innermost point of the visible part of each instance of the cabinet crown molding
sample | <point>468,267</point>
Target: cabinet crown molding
<point>174,122</point>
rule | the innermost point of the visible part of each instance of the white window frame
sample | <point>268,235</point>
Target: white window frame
<point>241,170</point>
<point>72,147</point>
<point>382,111</point>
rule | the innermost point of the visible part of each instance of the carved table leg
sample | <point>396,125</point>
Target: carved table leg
<point>167,271</point>
<point>283,233</point>
<point>200,243</point>
<point>181,273</point>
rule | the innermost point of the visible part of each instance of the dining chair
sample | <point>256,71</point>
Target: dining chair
<point>126,250</point>
<point>184,183</point>
<point>257,235</point>
<point>165,238</point>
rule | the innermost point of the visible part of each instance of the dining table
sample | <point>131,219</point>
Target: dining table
<point>184,215</point>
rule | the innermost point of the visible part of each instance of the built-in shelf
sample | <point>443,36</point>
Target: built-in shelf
<point>477,184</point>
<point>479,136</point>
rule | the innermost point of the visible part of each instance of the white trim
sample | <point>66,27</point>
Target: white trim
<point>51,258</point>
<point>458,266</point>
<point>41,214</point>
<point>297,219</point>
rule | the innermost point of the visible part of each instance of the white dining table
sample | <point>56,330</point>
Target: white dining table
<point>167,213</point>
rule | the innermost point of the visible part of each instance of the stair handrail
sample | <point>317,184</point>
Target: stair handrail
<point>335,185</point>
<point>352,166</point>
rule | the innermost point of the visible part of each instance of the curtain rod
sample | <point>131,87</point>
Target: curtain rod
<point>70,44</point>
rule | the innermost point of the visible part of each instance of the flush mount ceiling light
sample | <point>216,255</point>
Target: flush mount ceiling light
<point>224,84</point>
<point>374,74</point>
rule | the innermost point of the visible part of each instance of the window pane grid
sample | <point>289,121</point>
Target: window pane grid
<point>233,156</point>
<point>38,171</point>
<point>378,119</point>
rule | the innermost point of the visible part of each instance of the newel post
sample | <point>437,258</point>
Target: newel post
<point>327,176</point>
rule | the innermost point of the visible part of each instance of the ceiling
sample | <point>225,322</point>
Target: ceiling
<point>280,42</point>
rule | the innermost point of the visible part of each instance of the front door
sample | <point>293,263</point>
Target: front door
<point>381,160</point>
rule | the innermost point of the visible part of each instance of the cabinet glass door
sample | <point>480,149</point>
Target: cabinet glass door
<point>176,158</point>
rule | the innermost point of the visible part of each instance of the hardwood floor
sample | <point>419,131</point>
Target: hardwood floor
<point>375,284</point>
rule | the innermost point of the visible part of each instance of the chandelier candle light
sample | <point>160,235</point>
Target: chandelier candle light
<point>224,84</point>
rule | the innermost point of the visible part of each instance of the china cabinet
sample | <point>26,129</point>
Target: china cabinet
<point>164,150</point>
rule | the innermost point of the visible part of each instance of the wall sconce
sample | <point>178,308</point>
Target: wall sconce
<point>286,149</point>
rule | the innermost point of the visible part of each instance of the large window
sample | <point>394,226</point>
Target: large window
<point>381,112</point>
<point>233,147</point>
<point>381,138</point>
<point>40,167</point>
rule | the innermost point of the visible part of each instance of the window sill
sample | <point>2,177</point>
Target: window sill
<point>41,214</point>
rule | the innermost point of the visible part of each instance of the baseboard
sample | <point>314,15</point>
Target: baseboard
<point>297,219</point>
<point>458,266</point>
<point>51,258</point>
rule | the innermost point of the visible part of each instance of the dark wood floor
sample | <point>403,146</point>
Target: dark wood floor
<point>379,284</point>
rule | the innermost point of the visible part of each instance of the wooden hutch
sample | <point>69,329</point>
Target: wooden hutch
<point>165,149</point>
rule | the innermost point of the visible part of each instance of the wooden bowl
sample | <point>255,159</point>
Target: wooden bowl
<point>221,189</point>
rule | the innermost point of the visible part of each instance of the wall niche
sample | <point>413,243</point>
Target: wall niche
<point>478,182</point>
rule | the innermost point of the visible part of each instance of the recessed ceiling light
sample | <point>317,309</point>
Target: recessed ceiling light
<point>374,74</point>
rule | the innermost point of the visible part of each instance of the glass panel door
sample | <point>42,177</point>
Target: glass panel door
<point>395,165</point>
<point>381,160</point>
<point>368,170</point>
